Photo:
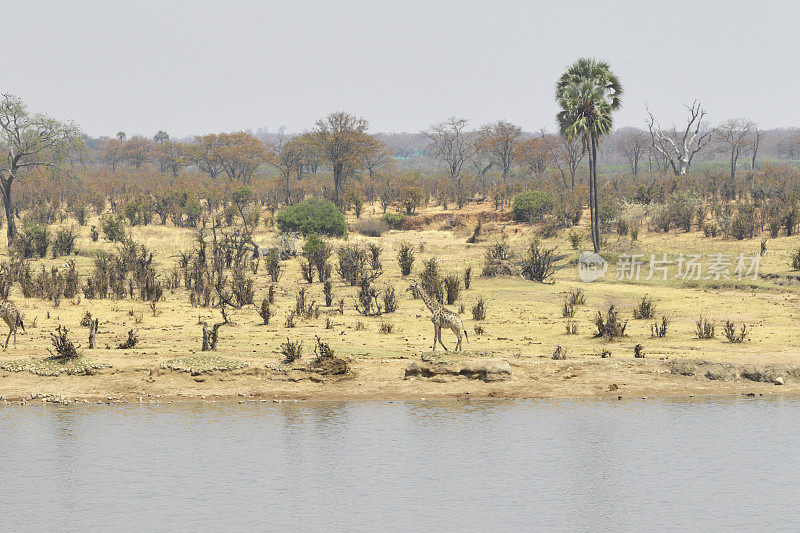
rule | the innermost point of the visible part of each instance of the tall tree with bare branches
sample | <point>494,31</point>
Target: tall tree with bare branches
<point>632,143</point>
<point>374,156</point>
<point>500,140</point>
<point>454,145</point>
<point>736,137</point>
<point>566,153</point>
<point>340,138</point>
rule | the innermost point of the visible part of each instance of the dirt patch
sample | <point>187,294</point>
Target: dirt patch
<point>331,366</point>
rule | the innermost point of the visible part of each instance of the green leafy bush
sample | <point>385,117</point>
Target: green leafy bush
<point>531,206</point>
<point>64,242</point>
<point>314,215</point>
<point>114,228</point>
<point>394,220</point>
<point>32,241</point>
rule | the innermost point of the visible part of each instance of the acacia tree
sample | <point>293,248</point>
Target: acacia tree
<point>501,140</point>
<point>240,154</point>
<point>172,157</point>
<point>679,148</point>
<point>588,93</point>
<point>340,138</point>
<point>29,141</point>
<point>736,137</point>
<point>137,151</point>
<point>204,154</point>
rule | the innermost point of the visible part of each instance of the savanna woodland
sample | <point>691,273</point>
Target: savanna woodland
<point>265,262</point>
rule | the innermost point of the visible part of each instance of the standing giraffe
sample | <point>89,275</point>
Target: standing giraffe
<point>12,317</point>
<point>441,317</point>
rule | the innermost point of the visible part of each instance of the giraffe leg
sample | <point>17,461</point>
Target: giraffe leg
<point>458,335</point>
<point>435,336</point>
<point>440,340</point>
<point>8,337</point>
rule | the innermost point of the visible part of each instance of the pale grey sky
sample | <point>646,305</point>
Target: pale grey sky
<point>197,66</point>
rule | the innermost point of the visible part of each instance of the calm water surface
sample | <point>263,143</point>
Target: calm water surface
<point>412,466</point>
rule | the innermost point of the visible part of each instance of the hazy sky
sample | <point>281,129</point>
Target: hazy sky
<point>200,66</point>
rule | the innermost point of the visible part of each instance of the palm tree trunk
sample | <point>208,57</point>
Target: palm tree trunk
<point>596,205</point>
<point>591,203</point>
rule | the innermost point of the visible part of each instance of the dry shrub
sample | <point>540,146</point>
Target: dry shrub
<point>659,331</point>
<point>264,311</point>
<point>609,326</point>
<point>64,242</point>
<point>292,351</point>
<point>497,260</point>
<point>370,227</point>
<point>389,299</point>
<point>452,287</point>
<point>405,258</point>
<point>704,328</point>
<point>645,309</point>
<point>538,263</point>
<point>64,348</point>
<point>430,280</point>
<point>732,335</point>
<point>479,310</point>
<point>130,342</point>
<point>559,354</point>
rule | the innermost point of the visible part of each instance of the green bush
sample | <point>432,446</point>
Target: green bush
<point>314,215</point>
<point>532,206</point>
<point>32,241</point>
<point>64,242</point>
<point>394,220</point>
<point>193,210</point>
<point>114,228</point>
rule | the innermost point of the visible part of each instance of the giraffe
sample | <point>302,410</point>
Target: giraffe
<point>441,317</point>
<point>12,317</point>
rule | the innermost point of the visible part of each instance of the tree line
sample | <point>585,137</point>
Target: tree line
<point>448,162</point>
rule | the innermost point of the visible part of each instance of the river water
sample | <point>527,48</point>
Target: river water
<point>517,465</point>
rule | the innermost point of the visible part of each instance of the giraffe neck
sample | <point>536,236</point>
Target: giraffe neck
<point>432,305</point>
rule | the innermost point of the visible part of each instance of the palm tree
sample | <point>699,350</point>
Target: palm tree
<point>588,92</point>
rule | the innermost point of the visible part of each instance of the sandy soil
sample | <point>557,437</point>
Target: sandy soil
<point>384,379</point>
<point>524,325</point>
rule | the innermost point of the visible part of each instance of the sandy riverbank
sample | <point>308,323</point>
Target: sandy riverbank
<point>375,379</point>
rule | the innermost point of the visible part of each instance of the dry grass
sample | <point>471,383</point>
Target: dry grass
<point>523,315</point>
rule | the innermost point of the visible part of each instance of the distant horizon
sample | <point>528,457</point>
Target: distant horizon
<point>197,67</point>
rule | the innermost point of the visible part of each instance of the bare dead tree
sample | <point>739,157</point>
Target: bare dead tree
<point>736,137</point>
<point>210,336</point>
<point>679,148</point>
<point>94,324</point>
